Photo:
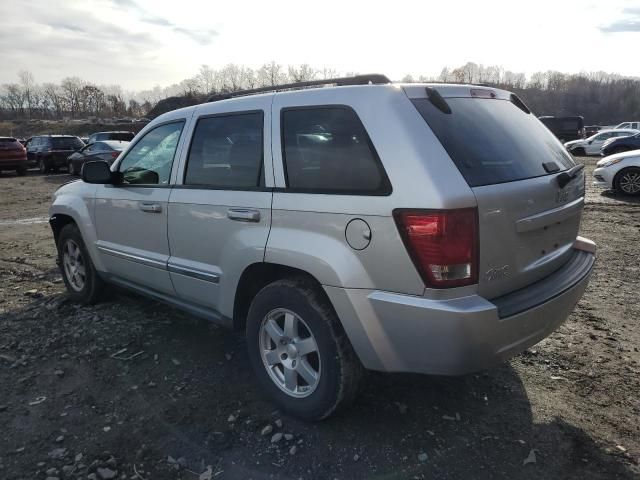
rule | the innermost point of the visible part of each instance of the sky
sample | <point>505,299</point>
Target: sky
<point>142,43</point>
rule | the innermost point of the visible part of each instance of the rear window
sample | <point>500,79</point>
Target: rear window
<point>327,150</point>
<point>66,142</point>
<point>493,141</point>
<point>126,136</point>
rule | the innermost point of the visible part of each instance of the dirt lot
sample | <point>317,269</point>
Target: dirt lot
<point>69,408</point>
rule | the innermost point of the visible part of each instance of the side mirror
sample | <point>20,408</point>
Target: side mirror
<point>590,142</point>
<point>97,172</point>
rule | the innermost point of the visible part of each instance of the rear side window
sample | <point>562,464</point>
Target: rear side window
<point>226,152</point>
<point>66,142</point>
<point>493,141</point>
<point>7,140</point>
<point>327,150</point>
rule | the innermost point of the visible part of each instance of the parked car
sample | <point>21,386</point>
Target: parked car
<point>620,172</point>
<point>620,144</point>
<point>426,228</point>
<point>590,130</point>
<point>13,156</point>
<point>634,125</point>
<point>50,152</point>
<point>565,128</point>
<point>593,144</point>
<point>107,150</point>
<point>119,135</point>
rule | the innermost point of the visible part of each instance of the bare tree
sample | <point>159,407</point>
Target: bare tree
<point>270,74</point>
<point>302,73</point>
<point>71,87</point>
<point>27,86</point>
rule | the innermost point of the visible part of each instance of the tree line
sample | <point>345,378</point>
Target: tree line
<point>600,97</point>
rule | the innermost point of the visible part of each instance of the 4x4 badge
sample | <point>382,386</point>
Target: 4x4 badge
<point>496,273</point>
<point>562,196</point>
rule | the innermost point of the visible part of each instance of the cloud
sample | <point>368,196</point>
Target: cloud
<point>58,40</point>
<point>631,22</point>
<point>203,37</point>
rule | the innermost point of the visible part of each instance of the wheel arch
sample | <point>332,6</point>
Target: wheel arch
<point>255,277</point>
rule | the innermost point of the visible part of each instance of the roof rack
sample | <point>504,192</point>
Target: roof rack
<point>374,78</point>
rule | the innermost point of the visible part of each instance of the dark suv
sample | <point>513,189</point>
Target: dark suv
<point>565,128</point>
<point>123,136</point>
<point>50,152</point>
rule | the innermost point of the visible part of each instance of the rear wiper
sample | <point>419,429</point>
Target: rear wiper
<point>565,177</point>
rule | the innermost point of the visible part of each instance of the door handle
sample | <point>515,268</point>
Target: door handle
<point>243,214</point>
<point>151,207</point>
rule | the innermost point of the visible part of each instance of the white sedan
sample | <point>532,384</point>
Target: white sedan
<point>593,144</point>
<point>620,172</point>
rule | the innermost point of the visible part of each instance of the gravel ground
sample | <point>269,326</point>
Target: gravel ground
<point>130,388</point>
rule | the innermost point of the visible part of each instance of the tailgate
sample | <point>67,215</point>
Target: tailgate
<point>528,219</point>
<point>527,230</point>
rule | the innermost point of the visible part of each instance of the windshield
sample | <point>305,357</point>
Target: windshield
<point>66,142</point>
<point>493,141</point>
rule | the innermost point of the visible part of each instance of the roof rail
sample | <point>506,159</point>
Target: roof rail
<point>374,78</point>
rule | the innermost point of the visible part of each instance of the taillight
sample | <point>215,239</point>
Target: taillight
<point>115,154</point>
<point>443,244</point>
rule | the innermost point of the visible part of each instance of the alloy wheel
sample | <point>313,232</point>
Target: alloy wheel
<point>74,267</point>
<point>289,352</point>
<point>630,182</point>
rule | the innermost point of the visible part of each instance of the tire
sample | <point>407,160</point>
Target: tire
<point>627,181</point>
<point>338,371</point>
<point>43,165</point>
<point>80,277</point>
<point>71,168</point>
<point>22,171</point>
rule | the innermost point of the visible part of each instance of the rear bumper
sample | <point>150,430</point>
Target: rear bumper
<point>12,164</point>
<point>401,333</point>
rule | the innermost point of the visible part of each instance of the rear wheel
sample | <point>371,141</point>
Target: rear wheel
<point>627,181</point>
<point>80,276</point>
<point>299,351</point>
<point>43,165</point>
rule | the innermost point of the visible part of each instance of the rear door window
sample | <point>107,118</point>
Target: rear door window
<point>493,141</point>
<point>327,150</point>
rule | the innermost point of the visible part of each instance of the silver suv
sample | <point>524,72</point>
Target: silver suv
<point>422,228</point>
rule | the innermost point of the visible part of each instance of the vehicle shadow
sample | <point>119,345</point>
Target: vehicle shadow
<point>619,197</point>
<point>190,393</point>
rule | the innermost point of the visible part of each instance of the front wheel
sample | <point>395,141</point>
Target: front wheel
<point>22,171</point>
<point>71,168</point>
<point>43,165</point>
<point>627,181</point>
<point>80,276</point>
<point>299,352</point>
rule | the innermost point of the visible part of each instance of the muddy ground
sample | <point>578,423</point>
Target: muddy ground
<point>71,408</point>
